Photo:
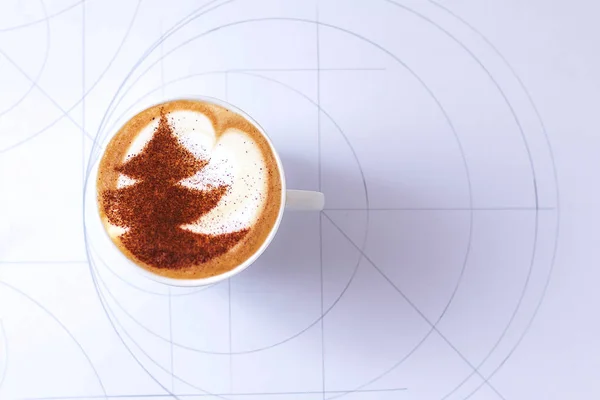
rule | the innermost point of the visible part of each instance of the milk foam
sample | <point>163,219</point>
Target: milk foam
<point>234,159</point>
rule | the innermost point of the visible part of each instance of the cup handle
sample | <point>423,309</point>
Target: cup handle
<point>304,200</point>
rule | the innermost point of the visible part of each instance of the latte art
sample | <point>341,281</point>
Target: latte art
<point>234,161</point>
<point>189,189</point>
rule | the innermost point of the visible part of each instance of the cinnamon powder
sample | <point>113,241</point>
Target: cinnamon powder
<point>154,208</point>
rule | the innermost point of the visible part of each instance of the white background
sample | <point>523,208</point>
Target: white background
<point>456,142</point>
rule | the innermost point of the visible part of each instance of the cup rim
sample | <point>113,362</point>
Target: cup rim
<point>177,282</point>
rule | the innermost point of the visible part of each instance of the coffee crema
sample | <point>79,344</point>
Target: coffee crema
<point>189,189</point>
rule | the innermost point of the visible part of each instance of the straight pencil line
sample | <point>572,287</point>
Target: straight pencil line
<point>171,343</point>
<point>350,69</point>
<point>33,262</point>
<point>445,209</point>
<point>134,396</point>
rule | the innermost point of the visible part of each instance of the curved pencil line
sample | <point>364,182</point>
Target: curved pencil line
<point>459,143</point>
<point>210,73</point>
<point>64,328</point>
<point>116,53</point>
<point>534,182</point>
<point>40,72</point>
<point>442,109</point>
<point>536,227</point>
<point>94,251</point>
<point>197,13</point>
<point>398,363</point>
<point>90,261</point>
<point>46,19</point>
<point>67,112</point>
<point>33,136</point>
<point>114,320</point>
<point>108,314</point>
<point>532,168</point>
<point>555,178</point>
<point>344,136</point>
<point>133,286</point>
<point>456,136</point>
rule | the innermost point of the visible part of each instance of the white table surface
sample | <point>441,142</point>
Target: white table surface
<point>456,142</point>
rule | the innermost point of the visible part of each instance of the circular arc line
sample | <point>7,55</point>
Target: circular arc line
<point>133,286</point>
<point>179,25</point>
<point>89,89</point>
<point>108,314</point>
<point>354,34</point>
<point>39,21</point>
<point>555,177</point>
<point>64,328</point>
<point>348,32</point>
<point>320,109</point>
<point>90,262</point>
<point>139,347</point>
<point>40,72</point>
<point>535,188</point>
<point>377,46</point>
<point>189,77</point>
<point>102,261</point>
<point>152,360</point>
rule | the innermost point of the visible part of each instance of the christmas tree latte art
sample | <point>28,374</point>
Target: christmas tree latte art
<point>188,189</point>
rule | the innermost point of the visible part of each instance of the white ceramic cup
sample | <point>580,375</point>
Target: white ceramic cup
<point>297,200</point>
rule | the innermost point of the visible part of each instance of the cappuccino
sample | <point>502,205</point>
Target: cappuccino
<point>189,189</point>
